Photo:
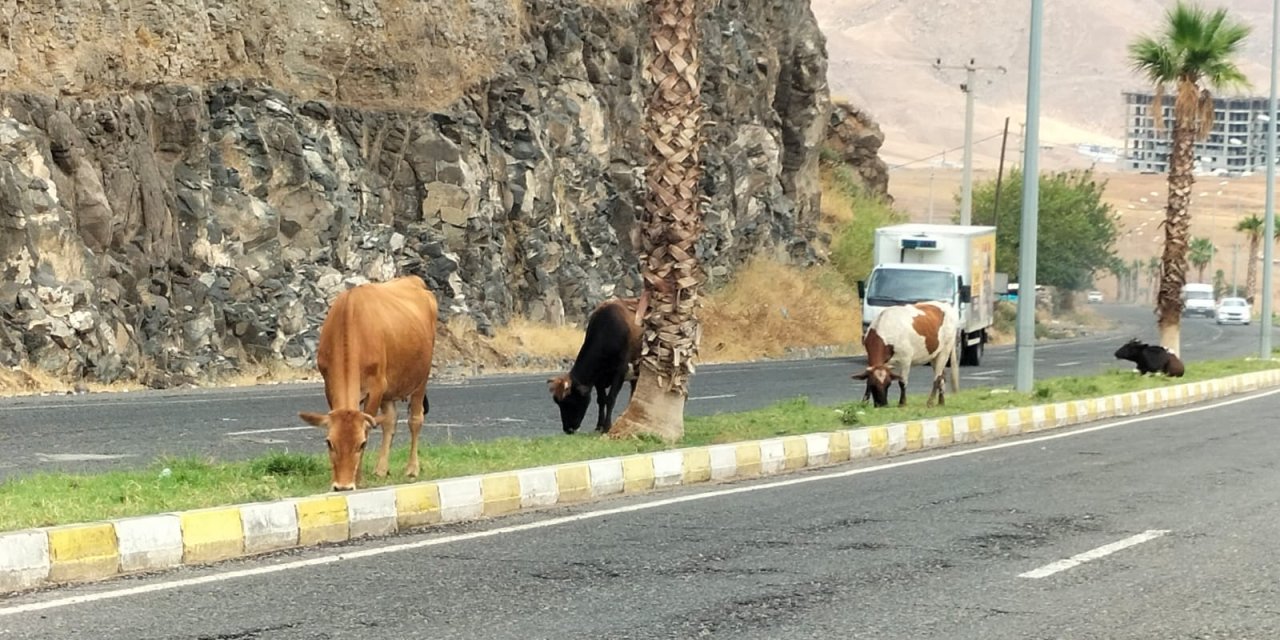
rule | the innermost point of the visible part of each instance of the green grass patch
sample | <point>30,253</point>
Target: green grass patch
<point>189,483</point>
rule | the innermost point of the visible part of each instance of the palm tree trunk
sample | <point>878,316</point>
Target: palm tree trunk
<point>1177,225</point>
<point>671,224</point>
<point>1251,280</point>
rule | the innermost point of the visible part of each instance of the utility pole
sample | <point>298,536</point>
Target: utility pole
<point>1235,250</point>
<point>931,195</point>
<point>1004,140</point>
<point>1269,227</point>
<point>966,190</point>
<point>1026,335</point>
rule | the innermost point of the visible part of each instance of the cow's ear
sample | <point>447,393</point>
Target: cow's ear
<point>861,376</point>
<point>893,377</point>
<point>315,419</point>
<point>559,387</point>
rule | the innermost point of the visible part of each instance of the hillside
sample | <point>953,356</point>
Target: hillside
<point>882,51</point>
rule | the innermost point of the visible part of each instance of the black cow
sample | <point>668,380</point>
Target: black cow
<point>1151,358</point>
<point>609,353</point>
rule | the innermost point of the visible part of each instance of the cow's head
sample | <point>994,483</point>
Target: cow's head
<point>573,400</point>
<point>1131,350</point>
<point>878,380</point>
<point>348,431</point>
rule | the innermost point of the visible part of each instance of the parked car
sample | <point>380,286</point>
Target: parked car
<point>1233,311</point>
<point>1094,296</point>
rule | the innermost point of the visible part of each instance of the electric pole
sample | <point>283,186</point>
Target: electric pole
<point>1235,291</point>
<point>966,190</point>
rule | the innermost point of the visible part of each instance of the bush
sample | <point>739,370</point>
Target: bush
<point>853,241</point>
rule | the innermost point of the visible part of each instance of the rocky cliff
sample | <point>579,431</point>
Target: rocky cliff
<point>185,185</point>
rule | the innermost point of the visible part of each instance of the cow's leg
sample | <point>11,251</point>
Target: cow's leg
<point>602,403</point>
<point>388,420</point>
<point>936,390</point>
<point>417,414</point>
<point>902,388</point>
<point>939,368</point>
<point>372,403</point>
<point>606,417</point>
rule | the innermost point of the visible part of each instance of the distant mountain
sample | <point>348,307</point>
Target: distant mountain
<point>882,53</point>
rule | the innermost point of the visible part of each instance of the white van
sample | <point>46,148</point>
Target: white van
<point>1197,299</point>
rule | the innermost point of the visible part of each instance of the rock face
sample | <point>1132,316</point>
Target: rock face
<point>161,223</point>
<point>856,140</point>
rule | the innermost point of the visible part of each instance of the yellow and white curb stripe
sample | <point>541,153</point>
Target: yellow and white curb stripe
<point>91,551</point>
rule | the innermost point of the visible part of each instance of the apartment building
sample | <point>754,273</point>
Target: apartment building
<point>1236,144</point>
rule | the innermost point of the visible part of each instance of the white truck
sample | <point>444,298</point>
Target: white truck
<point>1197,299</point>
<point>948,263</point>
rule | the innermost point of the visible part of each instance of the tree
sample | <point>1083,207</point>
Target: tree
<point>1200,256</point>
<point>1194,53</point>
<point>1120,270</point>
<point>1252,228</point>
<point>1076,232</point>
<point>669,226</point>
<point>1220,287</point>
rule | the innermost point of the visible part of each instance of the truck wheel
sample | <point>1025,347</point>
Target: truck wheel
<point>971,356</point>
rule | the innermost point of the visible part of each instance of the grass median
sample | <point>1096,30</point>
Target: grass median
<point>53,499</point>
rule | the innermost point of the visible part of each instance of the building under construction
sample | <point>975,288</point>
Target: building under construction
<point>1235,145</point>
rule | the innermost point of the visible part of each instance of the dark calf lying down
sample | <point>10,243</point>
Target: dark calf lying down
<point>1151,358</point>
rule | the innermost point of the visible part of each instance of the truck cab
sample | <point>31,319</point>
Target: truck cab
<point>896,284</point>
<point>1197,300</point>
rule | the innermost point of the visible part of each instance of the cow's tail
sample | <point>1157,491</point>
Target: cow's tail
<point>426,404</point>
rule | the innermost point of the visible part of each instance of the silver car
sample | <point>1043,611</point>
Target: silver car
<point>1234,311</point>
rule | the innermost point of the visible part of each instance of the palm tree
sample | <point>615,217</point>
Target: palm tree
<point>1194,53</point>
<point>669,226</point>
<point>1252,228</point>
<point>1201,255</point>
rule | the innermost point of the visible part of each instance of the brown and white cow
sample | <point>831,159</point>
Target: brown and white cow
<point>907,335</point>
<point>608,357</point>
<point>376,343</point>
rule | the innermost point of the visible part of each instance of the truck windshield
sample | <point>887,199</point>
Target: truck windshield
<point>1199,295</point>
<point>900,286</point>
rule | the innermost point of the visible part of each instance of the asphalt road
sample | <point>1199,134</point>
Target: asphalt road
<point>1171,520</point>
<point>97,432</point>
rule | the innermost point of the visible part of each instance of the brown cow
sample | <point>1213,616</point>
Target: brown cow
<point>906,335</point>
<point>375,345</point>
<point>608,357</point>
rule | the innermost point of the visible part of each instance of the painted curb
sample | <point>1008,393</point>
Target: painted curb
<point>92,551</point>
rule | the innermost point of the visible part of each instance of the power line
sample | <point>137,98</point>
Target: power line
<point>959,147</point>
<point>942,153</point>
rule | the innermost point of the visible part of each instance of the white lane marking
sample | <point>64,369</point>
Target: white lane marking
<point>721,396</point>
<point>1093,554</point>
<point>591,515</point>
<point>1067,364</point>
<point>276,430</point>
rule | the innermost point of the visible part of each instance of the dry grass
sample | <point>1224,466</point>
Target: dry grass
<point>28,380</point>
<point>524,336</point>
<point>267,373</point>
<point>770,307</point>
